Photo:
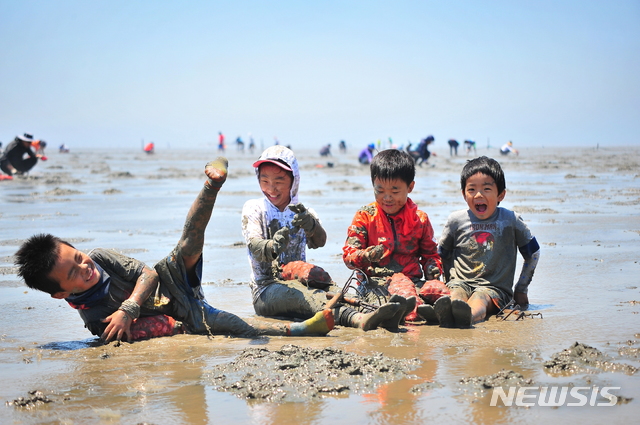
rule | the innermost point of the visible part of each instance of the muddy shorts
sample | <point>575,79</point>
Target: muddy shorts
<point>498,296</point>
<point>290,299</point>
<point>187,302</point>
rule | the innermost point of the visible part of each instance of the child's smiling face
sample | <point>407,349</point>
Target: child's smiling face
<point>391,195</point>
<point>275,184</point>
<point>481,194</point>
<point>75,271</point>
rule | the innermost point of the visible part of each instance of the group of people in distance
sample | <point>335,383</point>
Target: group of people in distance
<point>390,242</point>
<point>420,153</point>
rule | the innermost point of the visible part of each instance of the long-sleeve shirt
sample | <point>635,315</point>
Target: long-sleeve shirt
<point>407,237</point>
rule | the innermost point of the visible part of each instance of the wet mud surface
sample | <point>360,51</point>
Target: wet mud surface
<point>503,378</point>
<point>581,358</point>
<point>33,400</point>
<point>296,373</point>
<point>581,204</point>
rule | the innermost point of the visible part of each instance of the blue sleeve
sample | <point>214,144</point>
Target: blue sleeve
<point>529,249</point>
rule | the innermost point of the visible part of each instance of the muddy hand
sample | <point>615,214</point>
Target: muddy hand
<point>521,299</point>
<point>302,219</point>
<point>374,253</point>
<point>216,172</point>
<point>118,326</point>
<point>433,272</point>
<point>280,241</point>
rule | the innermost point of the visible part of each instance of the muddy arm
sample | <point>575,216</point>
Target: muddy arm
<point>119,322</point>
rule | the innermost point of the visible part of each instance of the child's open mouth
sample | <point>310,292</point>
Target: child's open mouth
<point>481,208</point>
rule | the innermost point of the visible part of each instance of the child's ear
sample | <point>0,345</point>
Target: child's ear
<point>413,183</point>
<point>59,295</point>
<point>502,195</point>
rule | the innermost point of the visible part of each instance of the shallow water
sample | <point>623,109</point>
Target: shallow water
<point>582,205</point>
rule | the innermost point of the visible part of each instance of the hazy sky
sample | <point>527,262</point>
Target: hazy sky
<point>111,73</point>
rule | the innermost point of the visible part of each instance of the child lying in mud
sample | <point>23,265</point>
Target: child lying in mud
<point>277,230</point>
<point>391,240</point>
<point>479,250</point>
<point>119,297</point>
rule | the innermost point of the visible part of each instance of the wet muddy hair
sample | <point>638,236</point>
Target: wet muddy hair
<point>486,166</point>
<point>36,258</point>
<point>393,164</point>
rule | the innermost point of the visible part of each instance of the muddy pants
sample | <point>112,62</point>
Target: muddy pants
<point>294,300</point>
<point>188,304</point>
<point>290,299</point>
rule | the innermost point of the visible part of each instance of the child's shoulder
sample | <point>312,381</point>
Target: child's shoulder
<point>369,209</point>
<point>459,215</point>
<point>506,213</point>
<point>253,204</point>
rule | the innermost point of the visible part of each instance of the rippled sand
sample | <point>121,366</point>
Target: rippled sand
<point>581,204</point>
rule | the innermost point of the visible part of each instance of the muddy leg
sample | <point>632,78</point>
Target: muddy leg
<point>192,239</point>
<point>229,324</point>
<point>347,316</point>
<point>481,305</point>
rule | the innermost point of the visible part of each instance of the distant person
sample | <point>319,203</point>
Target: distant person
<point>22,154</point>
<point>220,142</point>
<point>423,150</point>
<point>453,147</point>
<point>479,248</point>
<point>366,155</point>
<point>119,297</point>
<point>63,148</point>
<point>239,144</point>
<point>412,152</point>
<point>343,146</point>
<point>277,229</point>
<point>507,148</point>
<point>470,145</point>
<point>326,150</point>
<point>252,144</point>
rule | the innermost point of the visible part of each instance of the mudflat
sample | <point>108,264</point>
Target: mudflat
<point>581,204</point>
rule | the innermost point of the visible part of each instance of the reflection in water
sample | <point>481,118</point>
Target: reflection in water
<point>72,345</point>
<point>582,206</point>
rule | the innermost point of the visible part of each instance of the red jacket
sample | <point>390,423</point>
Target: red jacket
<point>409,246</point>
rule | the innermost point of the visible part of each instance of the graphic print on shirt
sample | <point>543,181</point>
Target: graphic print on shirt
<point>482,245</point>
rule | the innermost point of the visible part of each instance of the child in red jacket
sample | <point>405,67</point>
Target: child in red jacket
<point>391,240</point>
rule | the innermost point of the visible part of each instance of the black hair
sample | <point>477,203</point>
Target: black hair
<point>484,165</point>
<point>35,260</point>
<point>393,164</point>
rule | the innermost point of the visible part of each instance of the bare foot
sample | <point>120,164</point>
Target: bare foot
<point>428,313</point>
<point>216,171</point>
<point>371,321</point>
<point>461,313</point>
<point>442,307</point>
